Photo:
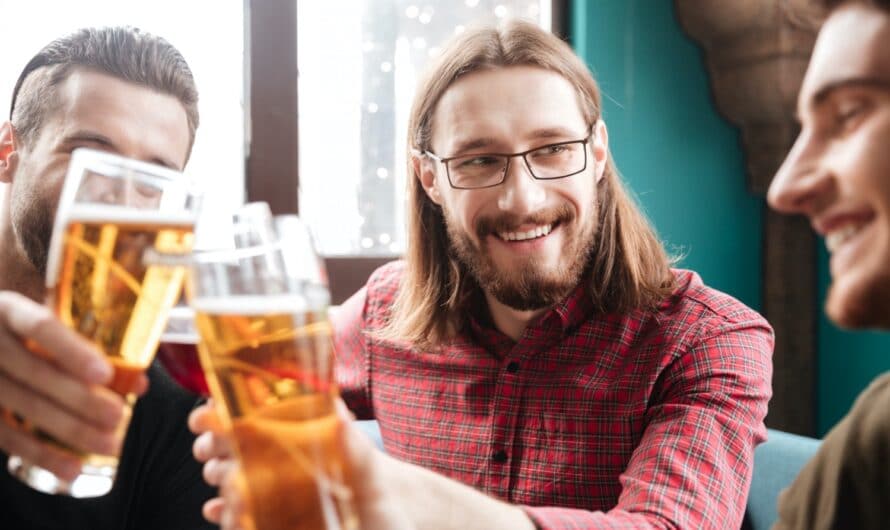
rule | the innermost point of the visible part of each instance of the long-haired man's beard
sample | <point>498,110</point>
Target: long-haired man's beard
<point>33,223</point>
<point>528,284</point>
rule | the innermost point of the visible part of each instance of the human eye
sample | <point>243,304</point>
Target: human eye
<point>552,151</point>
<point>848,112</point>
<point>477,161</point>
<point>146,190</point>
<point>848,116</point>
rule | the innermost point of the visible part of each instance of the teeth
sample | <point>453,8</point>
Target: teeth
<point>836,238</point>
<point>531,234</point>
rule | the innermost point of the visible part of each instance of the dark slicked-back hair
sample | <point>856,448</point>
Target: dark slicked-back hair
<point>122,52</point>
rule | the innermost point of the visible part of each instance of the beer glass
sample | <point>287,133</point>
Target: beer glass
<point>116,265</point>
<point>266,350</point>
<point>251,224</point>
<point>178,351</point>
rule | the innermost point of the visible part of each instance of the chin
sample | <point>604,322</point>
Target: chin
<point>860,305</point>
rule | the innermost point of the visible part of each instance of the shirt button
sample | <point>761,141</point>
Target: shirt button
<point>513,367</point>
<point>499,456</point>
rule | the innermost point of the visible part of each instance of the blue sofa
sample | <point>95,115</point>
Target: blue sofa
<point>776,462</point>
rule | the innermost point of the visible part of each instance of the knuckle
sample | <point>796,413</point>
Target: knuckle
<point>17,442</point>
<point>8,442</point>
<point>7,300</point>
<point>41,321</point>
<point>70,431</point>
<point>39,371</point>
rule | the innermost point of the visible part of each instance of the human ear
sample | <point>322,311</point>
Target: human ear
<point>425,172</point>
<point>8,152</point>
<point>600,148</point>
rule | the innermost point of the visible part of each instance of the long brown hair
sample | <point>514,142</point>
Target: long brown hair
<point>629,268</point>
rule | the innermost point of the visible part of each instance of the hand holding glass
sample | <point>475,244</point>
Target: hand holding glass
<point>114,270</point>
<point>266,350</point>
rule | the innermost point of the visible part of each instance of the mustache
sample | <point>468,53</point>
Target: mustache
<point>510,222</point>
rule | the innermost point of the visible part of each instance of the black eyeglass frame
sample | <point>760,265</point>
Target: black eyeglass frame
<point>510,157</point>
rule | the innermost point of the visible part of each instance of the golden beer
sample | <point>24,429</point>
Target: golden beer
<point>270,365</point>
<point>115,289</point>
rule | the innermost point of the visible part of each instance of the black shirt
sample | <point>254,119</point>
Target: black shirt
<point>158,484</point>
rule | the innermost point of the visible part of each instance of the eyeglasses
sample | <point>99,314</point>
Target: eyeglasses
<point>486,170</point>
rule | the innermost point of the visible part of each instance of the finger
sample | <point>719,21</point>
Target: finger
<point>38,378</point>
<point>233,490</point>
<point>216,469</point>
<point>46,415</point>
<point>16,442</point>
<point>68,350</point>
<point>211,445</point>
<point>212,510</point>
<point>141,385</point>
<point>205,418</point>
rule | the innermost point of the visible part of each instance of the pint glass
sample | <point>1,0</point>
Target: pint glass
<point>178,351</point>
<point>267,353</point>
<point>115,268</point>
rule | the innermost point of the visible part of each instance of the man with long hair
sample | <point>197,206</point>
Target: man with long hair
<point>535,344</point>
<point>838,175</point>
<point>127,92</point>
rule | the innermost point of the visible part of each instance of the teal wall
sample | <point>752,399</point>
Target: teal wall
<point>676,153</point>
<point>686,166</point>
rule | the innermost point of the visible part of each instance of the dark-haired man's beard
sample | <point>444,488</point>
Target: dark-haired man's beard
<point>32,221</point>
<point>526,284</point>
<point>863,303</point>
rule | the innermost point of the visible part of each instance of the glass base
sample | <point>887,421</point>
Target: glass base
<point>93,481</point>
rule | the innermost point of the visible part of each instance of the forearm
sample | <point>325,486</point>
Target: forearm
<point>434,502</point>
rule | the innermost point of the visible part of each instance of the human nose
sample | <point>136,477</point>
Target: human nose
<point>802,185</point>
<point>520,192</point>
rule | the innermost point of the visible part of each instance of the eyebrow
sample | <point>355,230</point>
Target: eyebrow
<point>825,92</point>
<point>485,141</point>
<point>86,136</point>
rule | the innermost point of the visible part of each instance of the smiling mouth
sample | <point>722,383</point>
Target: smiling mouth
<point>534,233</point>
<point>837,237</point>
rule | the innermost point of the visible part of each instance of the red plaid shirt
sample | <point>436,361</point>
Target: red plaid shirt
<point>643,420</point>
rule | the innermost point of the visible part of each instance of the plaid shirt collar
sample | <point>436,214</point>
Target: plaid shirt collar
<point>559,321</point>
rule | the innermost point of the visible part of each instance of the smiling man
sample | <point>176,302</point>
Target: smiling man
<point>838,175</point>
<point>535,344</point>
<point>125,92</point>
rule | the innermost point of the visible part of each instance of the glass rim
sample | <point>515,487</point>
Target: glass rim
<point>228,254</point>
<point>116,166</point>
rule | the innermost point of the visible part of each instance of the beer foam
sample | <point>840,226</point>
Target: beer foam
<point>251,305</point>
<point>91,213</point>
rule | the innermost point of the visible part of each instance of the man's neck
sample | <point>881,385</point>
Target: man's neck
<point>511,322</point>
<point>16,271</point>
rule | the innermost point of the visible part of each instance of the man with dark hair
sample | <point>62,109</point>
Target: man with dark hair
<point>838,175</point>
<point>535,346</point>
<point>130,93</point>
